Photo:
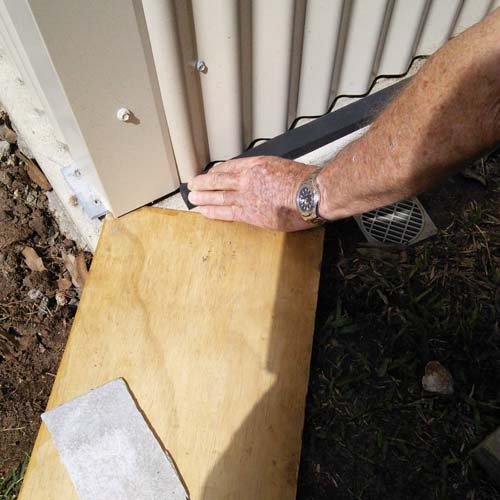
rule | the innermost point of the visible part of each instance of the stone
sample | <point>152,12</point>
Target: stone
<point>437,379</point>
<point>4,149</point>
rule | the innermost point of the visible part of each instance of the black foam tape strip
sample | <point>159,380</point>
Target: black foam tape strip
<point>185,193</point>
<point>323,130</point>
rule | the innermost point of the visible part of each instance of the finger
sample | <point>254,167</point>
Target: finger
<point>214,181</point>
<point>219,198</point>
<point>220,213</point>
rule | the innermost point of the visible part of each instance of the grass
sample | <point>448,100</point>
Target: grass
<point>371,431</point>
<point>11,482</point>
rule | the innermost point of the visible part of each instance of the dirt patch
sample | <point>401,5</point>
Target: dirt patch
<point>371,431</point>
<point>36,306</point>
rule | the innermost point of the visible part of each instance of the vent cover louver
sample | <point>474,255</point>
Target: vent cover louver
<point>402,223</point>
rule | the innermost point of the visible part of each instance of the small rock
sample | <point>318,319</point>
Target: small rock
<point>60,298</point>
<point>437,379</point>
<point>35,294</point>
<point>4,149</point>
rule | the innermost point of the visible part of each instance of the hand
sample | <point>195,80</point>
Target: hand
<point>259,190</point>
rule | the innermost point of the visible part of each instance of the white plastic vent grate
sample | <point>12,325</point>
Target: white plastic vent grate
<point>402,223</point>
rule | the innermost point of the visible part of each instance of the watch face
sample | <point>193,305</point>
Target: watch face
<point>306,199</point>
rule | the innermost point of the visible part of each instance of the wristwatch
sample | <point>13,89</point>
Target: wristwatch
<point>308,198</point>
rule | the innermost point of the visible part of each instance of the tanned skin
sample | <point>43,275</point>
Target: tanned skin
<point>446,116</point>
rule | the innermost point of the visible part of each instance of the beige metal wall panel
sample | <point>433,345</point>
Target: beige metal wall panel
<point>265,63</point>
<point>439,25</point>
<point>299,19</point>
<point>11,43</point>
<point>402,33</point>
<point>472,12</point>
<point>321,29</point>
<point>272,28</point>
<point>28,86</point>
<point>217,38</point>
<point>162,25</point>
<point>26,46</point>
<point>104,63</point>
<point>187,40</point>
<point>364,33</point>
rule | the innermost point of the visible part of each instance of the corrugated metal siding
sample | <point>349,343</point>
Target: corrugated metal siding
<point>270,61</point>
<point>266,63</point>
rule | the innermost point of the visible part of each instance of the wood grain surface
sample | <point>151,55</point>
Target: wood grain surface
<point>211,325</point>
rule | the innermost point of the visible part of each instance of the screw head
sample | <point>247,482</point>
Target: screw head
<point>123,114</point>
<point>201,66</point>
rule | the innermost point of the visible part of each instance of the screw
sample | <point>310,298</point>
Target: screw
<point>77,173</point>
<point>123,114</point>
<point>201,66</point>
<point>96,201</point>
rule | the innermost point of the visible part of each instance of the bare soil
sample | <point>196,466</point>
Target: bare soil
<point>36,308</point>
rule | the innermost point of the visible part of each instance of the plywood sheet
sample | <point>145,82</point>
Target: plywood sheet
<point>211,325</point>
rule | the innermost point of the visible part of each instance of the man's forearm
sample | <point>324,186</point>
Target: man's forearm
<point>448,114</point>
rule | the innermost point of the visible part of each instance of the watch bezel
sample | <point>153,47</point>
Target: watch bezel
<point>310,184</point>
<point>310,189</point>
